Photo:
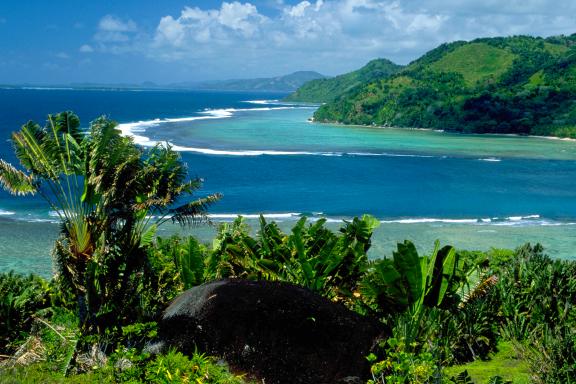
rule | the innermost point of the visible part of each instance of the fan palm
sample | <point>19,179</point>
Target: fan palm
<point>110,196</point>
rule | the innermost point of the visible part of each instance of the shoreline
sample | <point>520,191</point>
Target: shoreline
<point>312,120</point>
<point>558,240</point>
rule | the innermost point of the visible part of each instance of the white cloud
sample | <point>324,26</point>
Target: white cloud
<point>243,18</point>
<point>86,48</point>
<point>236,38</point>
<point>232,22</point>
<point>112,29</point>
<point>110,23</point>
<point>336,24</point>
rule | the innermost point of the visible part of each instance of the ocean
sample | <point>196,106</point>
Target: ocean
<point>266,157</point>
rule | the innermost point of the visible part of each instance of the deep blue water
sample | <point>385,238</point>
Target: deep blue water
<point>264,157</point>
<point>341,186</point>
<point>391,186</point>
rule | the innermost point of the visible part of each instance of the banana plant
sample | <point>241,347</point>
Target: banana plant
<point>408,281</point>
<point>311,255</point>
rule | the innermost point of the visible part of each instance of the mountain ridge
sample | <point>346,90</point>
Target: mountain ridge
<point>285,83</point>
<point>328,89</point>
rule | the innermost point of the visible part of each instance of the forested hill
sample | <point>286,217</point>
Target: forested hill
<point>328,89</point>
<point>517,84</point>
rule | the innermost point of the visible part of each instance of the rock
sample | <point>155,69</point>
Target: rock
<point>275,331</point>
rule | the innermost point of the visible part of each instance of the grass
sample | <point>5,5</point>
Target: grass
<point>504,363</point>
<point>556,49</point>
<point>475,62</point>
<point>40,373</point>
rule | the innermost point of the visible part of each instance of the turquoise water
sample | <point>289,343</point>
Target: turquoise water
<point>475,192</point>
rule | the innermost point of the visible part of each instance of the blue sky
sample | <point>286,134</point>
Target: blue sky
<point>131,41</point>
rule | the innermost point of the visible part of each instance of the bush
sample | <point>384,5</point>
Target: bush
<point>20,298</point>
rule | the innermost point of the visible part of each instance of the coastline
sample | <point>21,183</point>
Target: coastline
<point>312,120</point>
<point>471,234</point>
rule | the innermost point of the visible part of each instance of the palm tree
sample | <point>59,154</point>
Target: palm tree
<point>110,196</point>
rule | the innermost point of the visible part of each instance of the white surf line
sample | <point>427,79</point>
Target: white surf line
<point>527,220</point>
<point>255,215</point>
<point>132,130</point>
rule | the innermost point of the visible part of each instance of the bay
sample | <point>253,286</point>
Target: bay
<point>472,191</point>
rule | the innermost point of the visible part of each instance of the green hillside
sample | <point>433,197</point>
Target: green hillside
<point>517,84</point>
<point>476,62</point>
<point>324,90</point>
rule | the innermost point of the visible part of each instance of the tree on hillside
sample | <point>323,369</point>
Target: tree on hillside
<point>110,196</point>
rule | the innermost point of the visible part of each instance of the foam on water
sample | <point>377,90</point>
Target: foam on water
<point>133,129</point>
<point>531,220</point>
<point>272,216</point>
<point>261,102</point>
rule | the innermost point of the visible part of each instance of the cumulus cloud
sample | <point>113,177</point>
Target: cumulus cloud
<point>307,31</point>
<point>238,38</point>
<point>232,22</point>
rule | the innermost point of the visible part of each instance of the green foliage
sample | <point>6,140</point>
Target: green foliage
<point>49,345</point>
<point>311,255</point>
<point>110,196</point>
<point>552,355</point>
<point>410,281</point>
<point>462,378</point>
<point>536,292</point>
<point>189,262</point>
<point>21,297</point>
<point>433,304</point>
<point>325,90</point>
<point>402,366</point>
<point>475,62</point>
<point>504,363</point>
<point>58,337</point>
<point>519,84</point>
<point>136,335</point>
<point>173,264</point>
<point>534,299</point>
<point>130,366</point>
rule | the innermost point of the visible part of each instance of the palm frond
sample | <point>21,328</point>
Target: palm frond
<point>194,212</point>
<point>479,290</point>
<point>28,148</point>
<point>15,181</point>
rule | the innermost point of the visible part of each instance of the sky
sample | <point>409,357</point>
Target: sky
<point>169,41</point>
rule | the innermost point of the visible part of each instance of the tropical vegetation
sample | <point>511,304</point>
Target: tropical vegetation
<point>110,196</point>
<point>446,313</point>
<point>519,84</point>
<point>328,89</point>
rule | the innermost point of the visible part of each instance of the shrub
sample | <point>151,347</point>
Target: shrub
<point>20,298</point>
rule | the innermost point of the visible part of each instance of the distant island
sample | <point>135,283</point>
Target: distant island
<point>520,84</point>
<point>286,83</point>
